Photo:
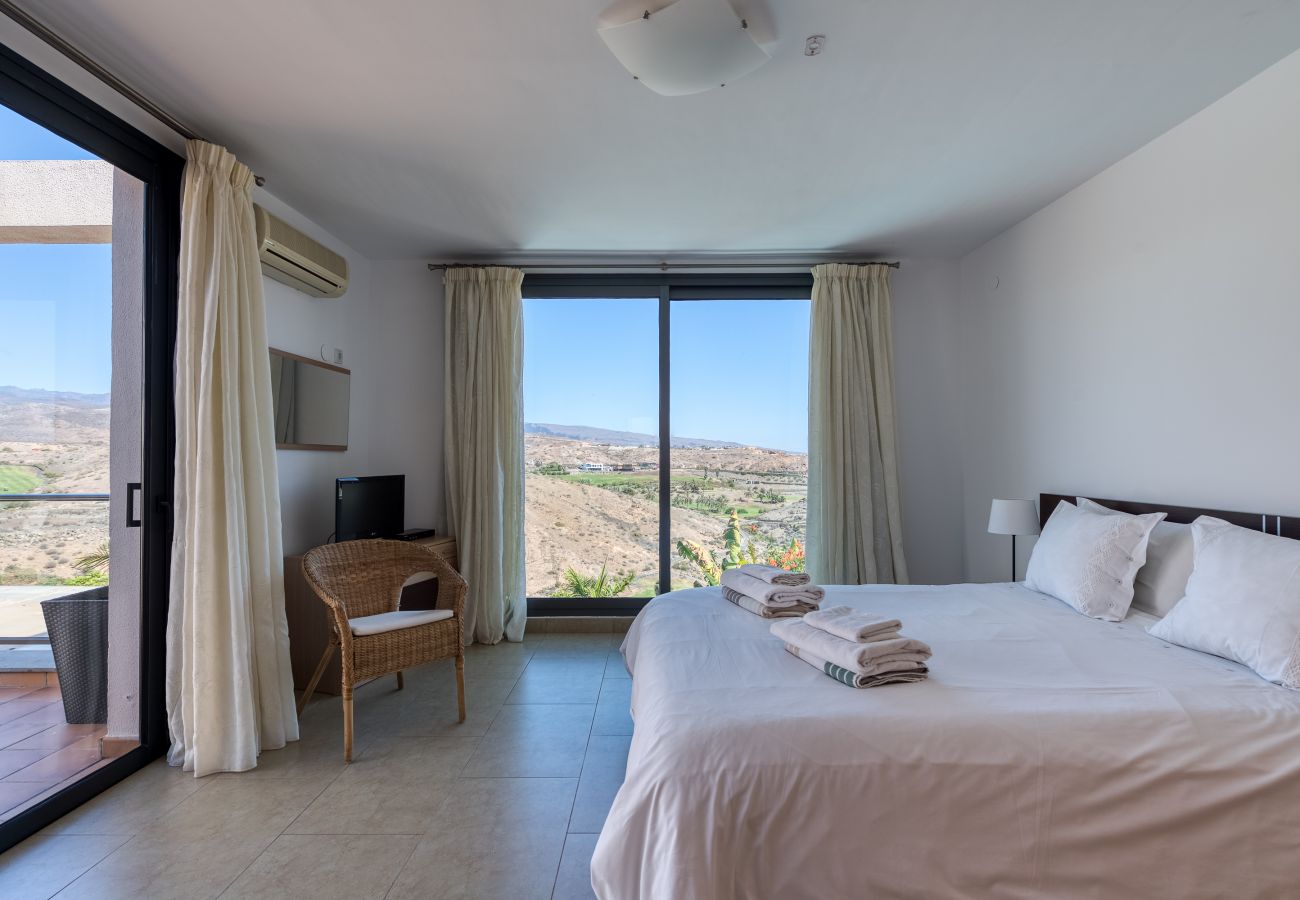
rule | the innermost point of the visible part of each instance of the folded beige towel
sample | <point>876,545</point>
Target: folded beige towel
<point>866,659</point>
<point>775,574</point>
<point>854,625</point>
<point>772,594</point>
<point>910,674</point>
<point>762,609</point>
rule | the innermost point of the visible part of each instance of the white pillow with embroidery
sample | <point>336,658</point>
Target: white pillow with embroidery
<point>1243,601</point>
<point>1089,560</point>
<point>1162,581</point>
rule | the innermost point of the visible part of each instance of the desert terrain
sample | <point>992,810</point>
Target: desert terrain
<point>591,499</point>
<point>51,442</point>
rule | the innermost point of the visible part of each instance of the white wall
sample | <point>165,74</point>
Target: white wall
<point>1136,339</point>
<point>389,326</point>
<point>924,292</point>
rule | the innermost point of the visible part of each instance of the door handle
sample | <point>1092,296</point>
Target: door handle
<point>132,488</point>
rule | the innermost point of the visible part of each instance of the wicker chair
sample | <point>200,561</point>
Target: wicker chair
<point>365,578</point>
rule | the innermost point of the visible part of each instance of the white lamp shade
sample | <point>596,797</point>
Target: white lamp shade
<point>1013,517</point>
<point>685,48</point>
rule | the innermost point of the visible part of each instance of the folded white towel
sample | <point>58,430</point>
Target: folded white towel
<point>866,659</point>
<point>775,574</point>
<point>772,594</point>
<point>910,674</point>
<point>762,609</point>
<point>854,625</point>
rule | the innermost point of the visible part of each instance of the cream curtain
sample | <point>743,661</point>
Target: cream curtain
<point>855,532</point>
<point>484,416</point>
<point>229,686</point>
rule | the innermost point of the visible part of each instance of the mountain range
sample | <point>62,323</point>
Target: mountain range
<point>593,435</point>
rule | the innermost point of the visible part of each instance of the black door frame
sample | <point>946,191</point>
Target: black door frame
<point>669,288</point>
<point>33,93</point>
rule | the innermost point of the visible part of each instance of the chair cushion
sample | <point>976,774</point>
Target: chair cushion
<point>393,621</point>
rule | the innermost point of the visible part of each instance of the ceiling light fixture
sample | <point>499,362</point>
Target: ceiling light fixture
<point>685,47</point>
<point>813,46</point>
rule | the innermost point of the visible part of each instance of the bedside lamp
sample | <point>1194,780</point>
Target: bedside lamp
<point>1013,517</point>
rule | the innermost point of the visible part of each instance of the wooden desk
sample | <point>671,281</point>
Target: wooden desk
<point>310,622</point>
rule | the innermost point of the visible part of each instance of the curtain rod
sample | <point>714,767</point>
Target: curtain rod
<point>56,41</point>
<point>660,266</point>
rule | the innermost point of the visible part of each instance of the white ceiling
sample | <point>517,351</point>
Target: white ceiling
<point>438,128</point>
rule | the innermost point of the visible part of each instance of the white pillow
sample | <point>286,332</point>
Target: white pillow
<point>1089,560</point>
<point>1162,581</point>
<point>1243,601</point>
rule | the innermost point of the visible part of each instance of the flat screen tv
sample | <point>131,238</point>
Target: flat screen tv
<point>371,506</point>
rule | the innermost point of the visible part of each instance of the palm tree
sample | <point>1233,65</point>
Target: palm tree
<point>94,562</point>
<point>575,584</point>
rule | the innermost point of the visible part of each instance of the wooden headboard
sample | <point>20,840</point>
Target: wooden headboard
<point>1286,526</point>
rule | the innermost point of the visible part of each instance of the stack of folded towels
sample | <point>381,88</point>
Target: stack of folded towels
<point>770,592</point>
<point>854,647</point>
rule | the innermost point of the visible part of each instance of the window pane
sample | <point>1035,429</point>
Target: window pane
<point>71,389</point>
<point>739,408</point>
<point>591,446</point>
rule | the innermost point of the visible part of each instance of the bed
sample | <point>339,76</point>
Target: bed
<point>1048,755</point>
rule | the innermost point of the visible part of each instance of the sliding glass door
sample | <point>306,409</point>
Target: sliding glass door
<point>591,447</point>
<point>614,513</point>
<point>88,217</point>
<point>740,436</point>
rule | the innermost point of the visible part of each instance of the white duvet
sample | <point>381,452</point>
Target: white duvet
<point>1048,755</point>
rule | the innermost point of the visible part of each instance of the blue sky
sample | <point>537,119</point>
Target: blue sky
<point>739,368</point>
<point>55,299</point>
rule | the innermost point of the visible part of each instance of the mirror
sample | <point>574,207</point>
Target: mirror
<point>311,403</point>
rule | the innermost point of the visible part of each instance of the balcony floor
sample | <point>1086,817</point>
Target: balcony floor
<point>40,753</point>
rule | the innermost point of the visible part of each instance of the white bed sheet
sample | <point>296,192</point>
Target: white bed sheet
<point>1048,755</point>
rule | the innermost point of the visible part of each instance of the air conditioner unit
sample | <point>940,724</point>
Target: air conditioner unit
<point>292,258</point>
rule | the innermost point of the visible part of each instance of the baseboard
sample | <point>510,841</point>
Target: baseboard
<point>579,624</point>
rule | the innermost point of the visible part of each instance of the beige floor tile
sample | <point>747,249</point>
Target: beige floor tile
<point>323,867</point>
<point>573,644</point>
<point>574,879</point>
<point>612,714</point>
<point>432,714</point>
<point>602,775</point>
<point>534,740</point>
<point>318,752</point>
<point>398,787</point>
<point>131,804</point>
<point>614,665</point>
<point>42,866</point>
<point>551,680</point>
<point>198,848</point>
<point>500,654</point>
<point>505,841</point>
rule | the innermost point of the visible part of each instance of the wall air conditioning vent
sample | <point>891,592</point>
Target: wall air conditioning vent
<point>292,258</point>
